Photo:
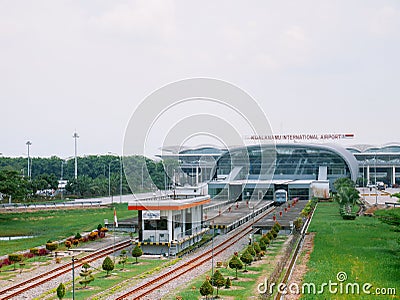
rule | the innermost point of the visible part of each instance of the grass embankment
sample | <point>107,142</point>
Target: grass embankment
<point>246,285</point>
<point>53,225</point>
<point>365,249</point>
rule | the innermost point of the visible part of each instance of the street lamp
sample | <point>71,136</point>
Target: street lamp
<point>73,277</point>
<point>120,176</point>
<point>28,143</point>
<point>76,136</point>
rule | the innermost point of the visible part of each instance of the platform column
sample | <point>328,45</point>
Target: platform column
<point>170,225</point>
<point>368,181</point>
<point>393,175</point>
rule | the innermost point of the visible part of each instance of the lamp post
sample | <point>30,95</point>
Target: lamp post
<point>73,277</point>
<point>76,136</point>
<point>109,179</point>
<point>29,143</point>
<point>120,175</point>
<point>212,254</point>
<point>142,176</point>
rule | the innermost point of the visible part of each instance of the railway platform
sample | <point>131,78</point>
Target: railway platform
<point>232,215</point>
<point>283,214</point>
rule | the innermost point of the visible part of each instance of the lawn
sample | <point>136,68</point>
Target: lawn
<point>52,225</point>
<point>365,249</point>
<point>243,288</point>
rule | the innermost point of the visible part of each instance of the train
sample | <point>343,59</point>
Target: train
<point>280,197</point>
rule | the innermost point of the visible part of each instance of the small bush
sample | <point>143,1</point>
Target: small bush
<point>93,235</point>
<point>34,251</point>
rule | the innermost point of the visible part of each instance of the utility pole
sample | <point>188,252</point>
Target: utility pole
<point>28,143</point>
<point>76,136</point>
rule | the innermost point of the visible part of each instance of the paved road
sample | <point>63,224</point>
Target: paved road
<point>378,197</point>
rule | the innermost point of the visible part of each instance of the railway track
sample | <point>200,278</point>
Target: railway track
<point>296,254</point>
<point>18,289</point>
<point>163,279</point>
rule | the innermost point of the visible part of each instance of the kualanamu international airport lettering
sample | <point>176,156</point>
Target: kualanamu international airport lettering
<point>296,137</point>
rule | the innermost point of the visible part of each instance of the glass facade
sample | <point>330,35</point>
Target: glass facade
<point>284,162</point>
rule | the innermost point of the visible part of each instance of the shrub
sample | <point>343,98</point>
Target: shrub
<point>251,250</point>
<point>263,246</point>
<point>52,246</point>
<point>93,235</point>
<point>298,223</point>
<point>68,244</point>
<point>78,236</point>
<point>28,255</point>
<point>246,258</point>
<point>34,251</point>
<point>86,274</point>
<point>5,262</point>
<point>43,251</point>
<point>206,288</point>
<point>75,242</point>
<point>108,265</point>
<point>235,263</point>
<point>137,252</point>
<point>99,227</point>
<point>217,280</point>
<point>14,258</point>
<point>123,257</point>
<point>228,283</point>
<point>60,291</point>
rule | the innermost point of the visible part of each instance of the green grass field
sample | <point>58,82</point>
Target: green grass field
<point>365,249</point>
<point>54,225</point>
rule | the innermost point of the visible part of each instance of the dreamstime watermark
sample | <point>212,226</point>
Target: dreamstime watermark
<point>336,287</point>
<point>188,113</point>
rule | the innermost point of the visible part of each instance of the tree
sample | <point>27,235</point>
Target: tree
<point>123,257</point>
<point>60,291</point>
<point>246,258</point>
<point>265,239</point>
<point>250,249</point>
<point>235,263</point>
<point>137,252</point>
<point>217,280</point>
<point>206,289</point>
<point>13,185</point>
<point>86,274</point>
<point>228,283</point>
<point>346,195</point>
<point>263,246</point>
<point>108,265</point>
<point>257,249</point>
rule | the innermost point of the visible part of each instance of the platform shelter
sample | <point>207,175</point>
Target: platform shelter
<point>167,226</point>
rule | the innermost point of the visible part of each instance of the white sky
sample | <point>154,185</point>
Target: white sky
<point>314,66</point>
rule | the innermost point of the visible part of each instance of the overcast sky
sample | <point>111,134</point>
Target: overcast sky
<point>314,66</point>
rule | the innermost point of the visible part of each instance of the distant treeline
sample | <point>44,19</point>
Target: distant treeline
<point>94,174</point>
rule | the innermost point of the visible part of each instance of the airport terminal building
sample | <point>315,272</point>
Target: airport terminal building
<point>295,167</point>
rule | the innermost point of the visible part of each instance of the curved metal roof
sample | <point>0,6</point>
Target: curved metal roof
<point>393,147</point>
<point>347,156</point>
